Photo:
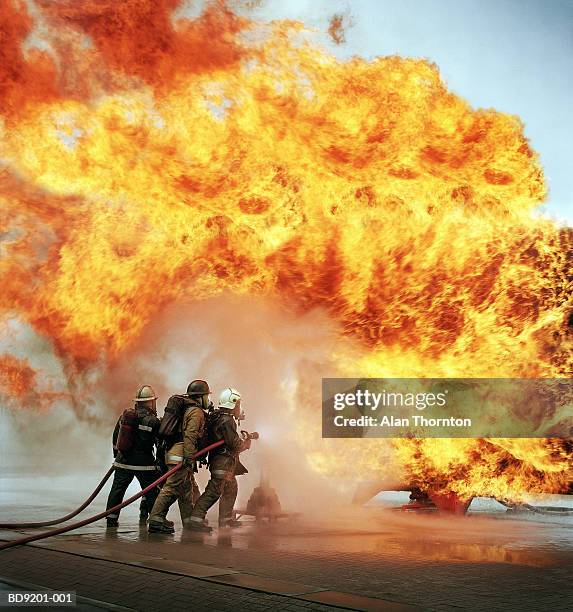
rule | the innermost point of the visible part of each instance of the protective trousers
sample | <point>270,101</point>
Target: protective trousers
<point>221,486</point>
<point>178,486</point>
<point>187,502</point>
<point>122,479</point>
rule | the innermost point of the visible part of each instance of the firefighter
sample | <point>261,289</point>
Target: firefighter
<point>137,459</point>
<point>183,428</point>
<point>224,463</point>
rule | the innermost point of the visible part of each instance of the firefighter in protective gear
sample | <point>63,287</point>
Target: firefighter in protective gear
<point>139,460</point>
<point>181,485</point>
<point>224,463</point>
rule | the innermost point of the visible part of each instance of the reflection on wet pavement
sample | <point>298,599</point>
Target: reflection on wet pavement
<point>375,551</point>
<point>385,535</point>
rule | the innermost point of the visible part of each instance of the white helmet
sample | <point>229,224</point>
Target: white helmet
<point>229,398</point>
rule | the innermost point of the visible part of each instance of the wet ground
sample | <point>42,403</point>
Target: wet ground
<point>488,559</point>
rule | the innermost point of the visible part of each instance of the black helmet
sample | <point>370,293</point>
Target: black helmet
<point>198,387</point>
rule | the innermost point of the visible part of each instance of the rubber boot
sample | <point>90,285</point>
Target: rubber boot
<point>158,522</point>
<point>143,521</point>
<point>156,527</point>
<point>112,523</point>
<point>200,527</point>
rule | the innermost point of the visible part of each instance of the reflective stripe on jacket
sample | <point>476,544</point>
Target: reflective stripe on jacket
<point>135,468</point>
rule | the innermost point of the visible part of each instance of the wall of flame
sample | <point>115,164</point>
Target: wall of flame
<point>148,159</point>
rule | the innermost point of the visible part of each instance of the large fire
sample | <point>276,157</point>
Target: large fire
<point>148,157</point>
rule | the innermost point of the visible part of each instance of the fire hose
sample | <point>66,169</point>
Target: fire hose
<point>97,517</point>
<point>88,501</point>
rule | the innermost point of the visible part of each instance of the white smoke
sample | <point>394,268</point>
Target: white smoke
<point>249,344</point>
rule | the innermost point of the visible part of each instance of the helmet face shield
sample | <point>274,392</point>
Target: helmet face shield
<point>150,406</point>
<point>205,401</point>
<point>237,409</point>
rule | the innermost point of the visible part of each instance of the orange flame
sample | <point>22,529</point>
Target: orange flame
<point>195,156</point>
<point>19,385</point>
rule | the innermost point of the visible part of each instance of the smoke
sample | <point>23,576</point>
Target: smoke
<point>39,427</point>
<point>258,348</point>
<point>250,344</point>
